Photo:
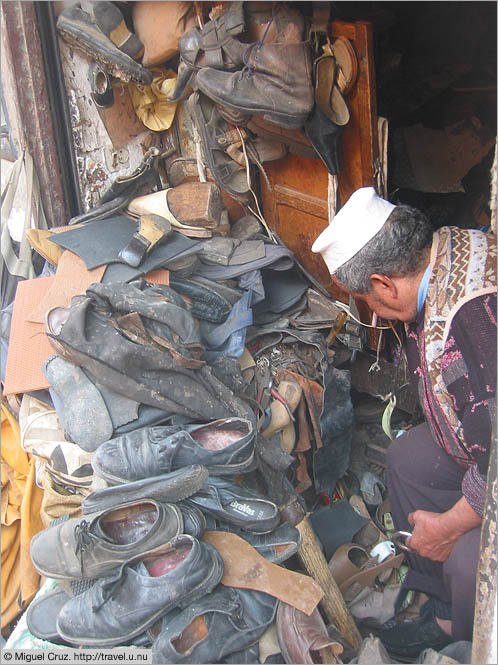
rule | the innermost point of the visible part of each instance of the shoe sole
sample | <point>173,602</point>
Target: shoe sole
<point>74,36</point>
<point>205,587</point>
<point>184,487</point>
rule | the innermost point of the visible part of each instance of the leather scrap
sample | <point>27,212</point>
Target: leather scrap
<point>313,394</point>
<point>245,568</point>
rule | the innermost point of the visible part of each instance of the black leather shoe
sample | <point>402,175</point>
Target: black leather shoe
<point>234,619</point>
<point>119,607</point>
<point>406,640</point>
<point>152,450</point>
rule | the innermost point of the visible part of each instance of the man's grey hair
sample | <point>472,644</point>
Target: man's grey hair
<point>397,250</point>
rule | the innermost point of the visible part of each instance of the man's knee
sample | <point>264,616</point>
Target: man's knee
<point>461,565</point>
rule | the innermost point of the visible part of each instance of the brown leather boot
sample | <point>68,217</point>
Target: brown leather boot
<point>276,83</point>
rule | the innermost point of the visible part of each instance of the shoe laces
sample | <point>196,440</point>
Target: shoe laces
<point>84,540</point>
<point>109,588</point>
<point>248,70</point>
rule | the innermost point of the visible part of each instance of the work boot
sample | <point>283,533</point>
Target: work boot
<point>212,46</point>
<point>275,83</point>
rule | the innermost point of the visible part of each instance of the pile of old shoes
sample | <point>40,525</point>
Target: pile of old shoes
<point>141,565</point>
<point>225,447</point>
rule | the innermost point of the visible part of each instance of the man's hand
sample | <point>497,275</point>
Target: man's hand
<point>434,534</point>
<point>429,535</point>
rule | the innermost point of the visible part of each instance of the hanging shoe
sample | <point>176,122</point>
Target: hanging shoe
<point>276,80</point>
<point>111,21</point>
<point>212,46</point>
<point>79,30</point>
<point>276,83</point>
<point>216,137</point>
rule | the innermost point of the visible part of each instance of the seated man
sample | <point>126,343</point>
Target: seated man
<point>442,285</point>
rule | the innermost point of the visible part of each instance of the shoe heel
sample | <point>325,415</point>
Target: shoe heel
<point>185,72</point>
<point>285,121</point>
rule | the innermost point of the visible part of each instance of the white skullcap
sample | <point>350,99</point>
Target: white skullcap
<point>355,224</point>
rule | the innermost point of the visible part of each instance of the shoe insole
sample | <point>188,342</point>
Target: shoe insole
<point>192,635</point>
<point>245,568</point>
<point>129,525</point>
<point>215,439</point>
<point>168,562</point>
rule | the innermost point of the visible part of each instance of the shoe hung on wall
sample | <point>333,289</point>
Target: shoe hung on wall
<point>212,46</point>
<point>78,29</point>
<point>276,79</point>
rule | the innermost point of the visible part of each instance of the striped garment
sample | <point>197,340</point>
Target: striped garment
<point>452,352</point>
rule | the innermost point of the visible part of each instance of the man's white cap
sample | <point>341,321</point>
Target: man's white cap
<point>355,224</point>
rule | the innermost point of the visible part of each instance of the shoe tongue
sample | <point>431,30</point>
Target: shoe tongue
<point>141,569</point>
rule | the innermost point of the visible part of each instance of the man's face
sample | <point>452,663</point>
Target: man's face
<point>404,308</point>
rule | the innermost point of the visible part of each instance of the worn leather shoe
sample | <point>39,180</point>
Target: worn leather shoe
<point>94,545</point>
<point>226,621</point>
<point>407,639</point>
<point>224,446</point>
<point>119,607</point>
<point>236,505</point>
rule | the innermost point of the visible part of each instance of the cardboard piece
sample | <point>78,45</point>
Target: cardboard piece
<point>71,279</point>
<point>29,346</point>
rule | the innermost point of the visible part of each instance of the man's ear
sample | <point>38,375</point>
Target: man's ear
<point>383,287</point>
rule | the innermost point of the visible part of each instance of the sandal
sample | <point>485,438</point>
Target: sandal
<point>217,138</point>
<point>353,569</point>
<point>384,519</point>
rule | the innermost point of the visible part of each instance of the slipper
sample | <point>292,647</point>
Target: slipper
<point>237,505</point>
<point>327,93</point>
<point>347,64</point>
<point>353,569</point>
<point>370,534</point>
<point>217,137</point>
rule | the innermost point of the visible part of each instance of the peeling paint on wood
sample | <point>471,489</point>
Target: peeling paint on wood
<point>91,138</point>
